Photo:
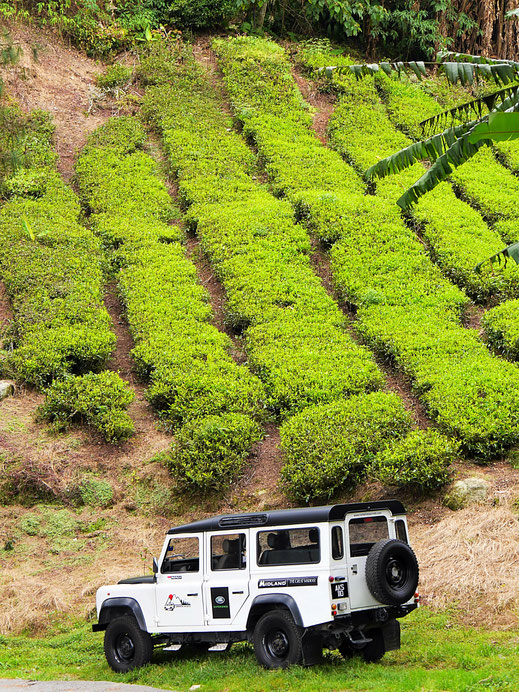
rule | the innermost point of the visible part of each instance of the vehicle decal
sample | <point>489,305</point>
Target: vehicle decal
<point>286,581</point>
<point>175,601</point>
<point>220,602</point>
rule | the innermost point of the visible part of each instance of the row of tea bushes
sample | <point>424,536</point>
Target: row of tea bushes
<point>501,325</point>
<point>471,394</point>
<point>484,182</point>
<point>456,234</point>
<point>294,332</point>
<point>53,271</point>
<point>194,383</point>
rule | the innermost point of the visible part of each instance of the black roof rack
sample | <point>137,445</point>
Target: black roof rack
<point>280,517</point>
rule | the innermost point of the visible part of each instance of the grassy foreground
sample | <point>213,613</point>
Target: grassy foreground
<point>436,654</point>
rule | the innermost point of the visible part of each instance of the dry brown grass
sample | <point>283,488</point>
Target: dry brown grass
<point>471,558</point>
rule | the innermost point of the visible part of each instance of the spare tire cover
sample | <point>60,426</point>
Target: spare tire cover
<point>392,571</point>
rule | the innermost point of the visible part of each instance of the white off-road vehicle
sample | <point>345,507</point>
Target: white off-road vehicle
<point>291,581</point>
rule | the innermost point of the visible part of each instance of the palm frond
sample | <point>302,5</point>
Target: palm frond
<point>460,151</point>
<point>510,252</point>
<point>431,148</point>
<point>504,98</point>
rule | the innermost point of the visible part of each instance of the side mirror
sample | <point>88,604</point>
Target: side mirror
<point>155,566</point>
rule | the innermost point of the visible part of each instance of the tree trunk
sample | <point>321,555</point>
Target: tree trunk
<point>259,16</point>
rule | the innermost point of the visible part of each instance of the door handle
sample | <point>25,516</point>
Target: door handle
<point>354,569</point>
<point>192,594</point>
<point>237,592</point>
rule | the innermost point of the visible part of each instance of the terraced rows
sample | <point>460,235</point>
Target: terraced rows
<point>294,332</point>
<point>195,383</point>
<point>405,307</point>
<point>52,268</point>
<point>486,183</point>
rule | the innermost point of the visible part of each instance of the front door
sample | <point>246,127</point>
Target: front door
<point>227,578</point>
<point>363,532</point>
<point>179,593</point>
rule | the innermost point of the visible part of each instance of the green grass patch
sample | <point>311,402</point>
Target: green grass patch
<point>436,655</point>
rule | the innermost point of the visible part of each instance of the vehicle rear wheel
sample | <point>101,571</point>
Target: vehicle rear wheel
<point>277,640</point>
<point>126,645</point>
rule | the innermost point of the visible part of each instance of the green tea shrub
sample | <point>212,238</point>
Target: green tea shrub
<point>53,271</point>
<point>100,400</point>
<point>329,447</point>
<point>257,250</point>
<point>420,461</point>
<point>406,309</point>
<point>501,326</point>
<point>209,453</point>
<point>482,180</point>
<point>186,359</point>
<point>115,75</point>
<point>96,492</point>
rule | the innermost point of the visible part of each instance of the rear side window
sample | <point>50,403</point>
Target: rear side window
<point>401,532</point>
<point>337,543</point>
<point>289,546</point>
<point>365,532</point>
<point>182,555</point>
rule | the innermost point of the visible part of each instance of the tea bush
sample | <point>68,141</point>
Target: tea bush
<point>406,309</point>
<point>187,359</point>
<point>52,269</point>
<point>328,448</point>
<point>97,399</point>
<point>420,461</point>
<point>210,452</point>
<point>482,180</point>
<point>501,326</point>
<point>257,250</point>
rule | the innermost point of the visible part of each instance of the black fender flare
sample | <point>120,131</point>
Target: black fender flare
<point>276,599</point>
<point>119,602</point>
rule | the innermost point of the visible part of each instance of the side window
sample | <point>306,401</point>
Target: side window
<point>337,543</point>
<point>365,532</point>
<point>182,555</point>
<point>289,546</point>
<point>228,552</point>
<point>401,532</point>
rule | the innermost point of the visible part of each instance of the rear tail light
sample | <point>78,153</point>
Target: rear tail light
<point>417,598</point>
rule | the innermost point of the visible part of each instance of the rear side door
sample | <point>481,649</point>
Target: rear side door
<point>362,532</point>
<point>226,585</point>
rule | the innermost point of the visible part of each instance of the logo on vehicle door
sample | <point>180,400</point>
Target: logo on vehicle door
<point>220,600</point>
<point>175,602</point>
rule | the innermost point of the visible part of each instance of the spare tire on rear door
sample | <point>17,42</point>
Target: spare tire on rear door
<point>392,571</point>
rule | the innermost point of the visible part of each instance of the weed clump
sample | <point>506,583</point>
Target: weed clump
<point>96,492</point>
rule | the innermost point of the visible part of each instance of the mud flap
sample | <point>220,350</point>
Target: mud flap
<point>391,634</point>
<point>312,648</point>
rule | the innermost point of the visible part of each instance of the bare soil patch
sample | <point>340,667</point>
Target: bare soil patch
<point>322,102</point>
<point>61,81</point>
<point>5,307</point>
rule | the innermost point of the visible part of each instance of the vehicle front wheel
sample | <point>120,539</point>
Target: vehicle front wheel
<point>126,645</point>
<point>277,640</point>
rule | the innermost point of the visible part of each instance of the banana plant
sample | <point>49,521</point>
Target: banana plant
<point>489,118</point>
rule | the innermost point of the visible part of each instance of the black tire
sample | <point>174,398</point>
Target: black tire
<point>373,651</point>
<point>126,645</point>
<point>392,571</point>
<point>277,640</point>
